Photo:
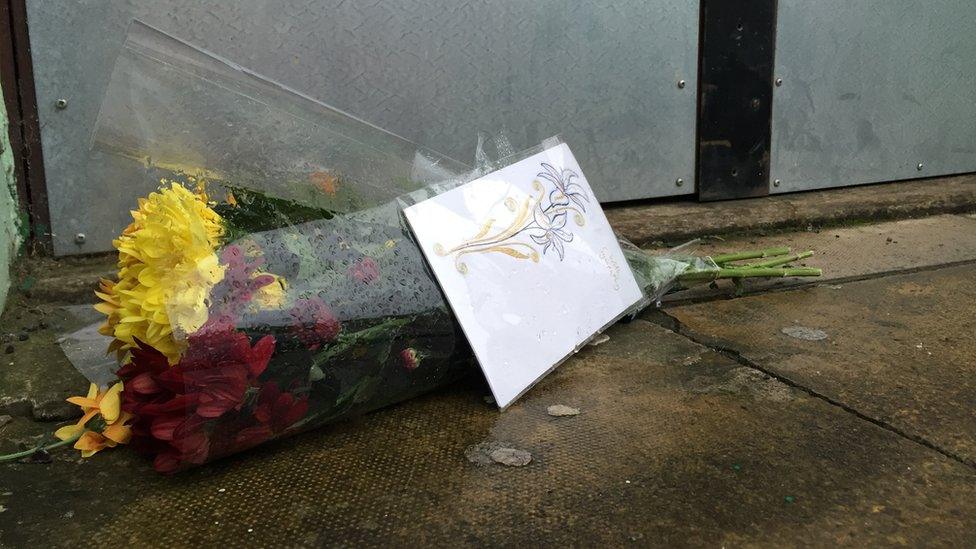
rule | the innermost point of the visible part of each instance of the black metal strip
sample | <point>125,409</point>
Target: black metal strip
<point>17,77</point>
<point>735,97</point>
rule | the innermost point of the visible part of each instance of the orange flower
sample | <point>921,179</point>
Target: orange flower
<point>91,442</point>
<point>107,402</point>
<point>326,181</point>
<point>115,429</point>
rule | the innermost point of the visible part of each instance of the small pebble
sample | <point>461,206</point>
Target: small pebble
<point>9,350</point>
<point>222,490</point>
<point>511,457</point>
<point>600,339</point>
<point>489,399</point>
<point>561,410</point>
<point>23,336</point>
<point>802,332</point>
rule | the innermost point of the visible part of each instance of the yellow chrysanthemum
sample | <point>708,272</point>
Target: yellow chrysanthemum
<point>167,267</point>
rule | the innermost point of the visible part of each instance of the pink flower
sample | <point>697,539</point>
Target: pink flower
<point>410,359</point>
<point>313,322</point>
<point>364,270</point>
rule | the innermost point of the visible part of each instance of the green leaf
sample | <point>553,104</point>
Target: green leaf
<point>256,212</point>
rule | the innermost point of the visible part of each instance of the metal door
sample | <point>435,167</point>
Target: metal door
<point>874,90</point>
<point>604,75</point>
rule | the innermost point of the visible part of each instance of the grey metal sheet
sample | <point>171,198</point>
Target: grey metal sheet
<point>871,89</point>
<point>602,74</point>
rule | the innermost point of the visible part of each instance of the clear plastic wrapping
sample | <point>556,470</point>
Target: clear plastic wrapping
<point>270,284</point>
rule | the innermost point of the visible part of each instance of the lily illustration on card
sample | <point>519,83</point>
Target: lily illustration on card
<point>541,217</point>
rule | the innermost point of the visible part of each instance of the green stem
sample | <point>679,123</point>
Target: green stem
<point>747,272</point>
<point>25,453</point>
<point>777,261</point>
<point>756,254</point>
<point>345,341</point>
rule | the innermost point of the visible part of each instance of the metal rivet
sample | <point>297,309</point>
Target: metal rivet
<point>679,182</point>
<point>776,182</point>
<point>919,166</point>
<point>80,238</point>
<point>681,84</point>
<point>755,103</point>
<point>779,82</point>
<point>61,103</point>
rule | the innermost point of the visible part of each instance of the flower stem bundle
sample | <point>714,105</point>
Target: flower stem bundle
<point>676,270</point>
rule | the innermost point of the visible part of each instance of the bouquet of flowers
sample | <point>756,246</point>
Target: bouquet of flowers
<point>266,286</point>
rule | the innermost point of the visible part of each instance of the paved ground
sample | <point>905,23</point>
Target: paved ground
<point>717,421</point>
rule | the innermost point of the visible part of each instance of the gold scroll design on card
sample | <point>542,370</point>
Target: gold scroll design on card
<point>538,226</point>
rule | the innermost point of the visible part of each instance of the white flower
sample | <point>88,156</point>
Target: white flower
<point>548,231</point>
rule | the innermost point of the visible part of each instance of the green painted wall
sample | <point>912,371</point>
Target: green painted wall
<point>10,234</point>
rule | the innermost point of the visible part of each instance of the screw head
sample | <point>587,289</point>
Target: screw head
<point>681,84</point>
<point>779,82</point>
<point>919,166</point>
<point>679,182</point>
<point>80,238</point>
<point>776,182</point>
<point>61,104</point>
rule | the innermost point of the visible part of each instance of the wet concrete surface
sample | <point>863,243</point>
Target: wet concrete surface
<point>35,376</point>
<point>898,349</point>
<point>869,441</point>
<point>675,444</point>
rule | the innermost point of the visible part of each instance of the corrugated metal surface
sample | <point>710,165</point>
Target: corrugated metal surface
<point>601,74</point>
<point>871,89</point>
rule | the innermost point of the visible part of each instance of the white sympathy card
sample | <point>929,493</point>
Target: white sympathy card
<point>529,265</point>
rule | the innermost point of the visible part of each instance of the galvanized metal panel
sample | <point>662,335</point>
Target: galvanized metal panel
<point>874,90</point>
<point>602,74</point>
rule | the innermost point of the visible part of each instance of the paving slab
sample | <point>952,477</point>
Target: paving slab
<point>35,376</point>
<point>899,349</point>
<point>674,444</point>
<point>850,252</point>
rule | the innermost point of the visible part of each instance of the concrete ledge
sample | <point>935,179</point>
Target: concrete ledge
<point>73,279</point>
<point>674,222</point>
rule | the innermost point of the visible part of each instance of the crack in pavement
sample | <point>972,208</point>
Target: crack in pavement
<point>672,323</point>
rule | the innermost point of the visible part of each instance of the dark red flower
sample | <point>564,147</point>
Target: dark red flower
<point>364,270</point>
<point>275,412</point>
<point>313,322</point>
<point>279,409</point>
<point>174,405</point>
